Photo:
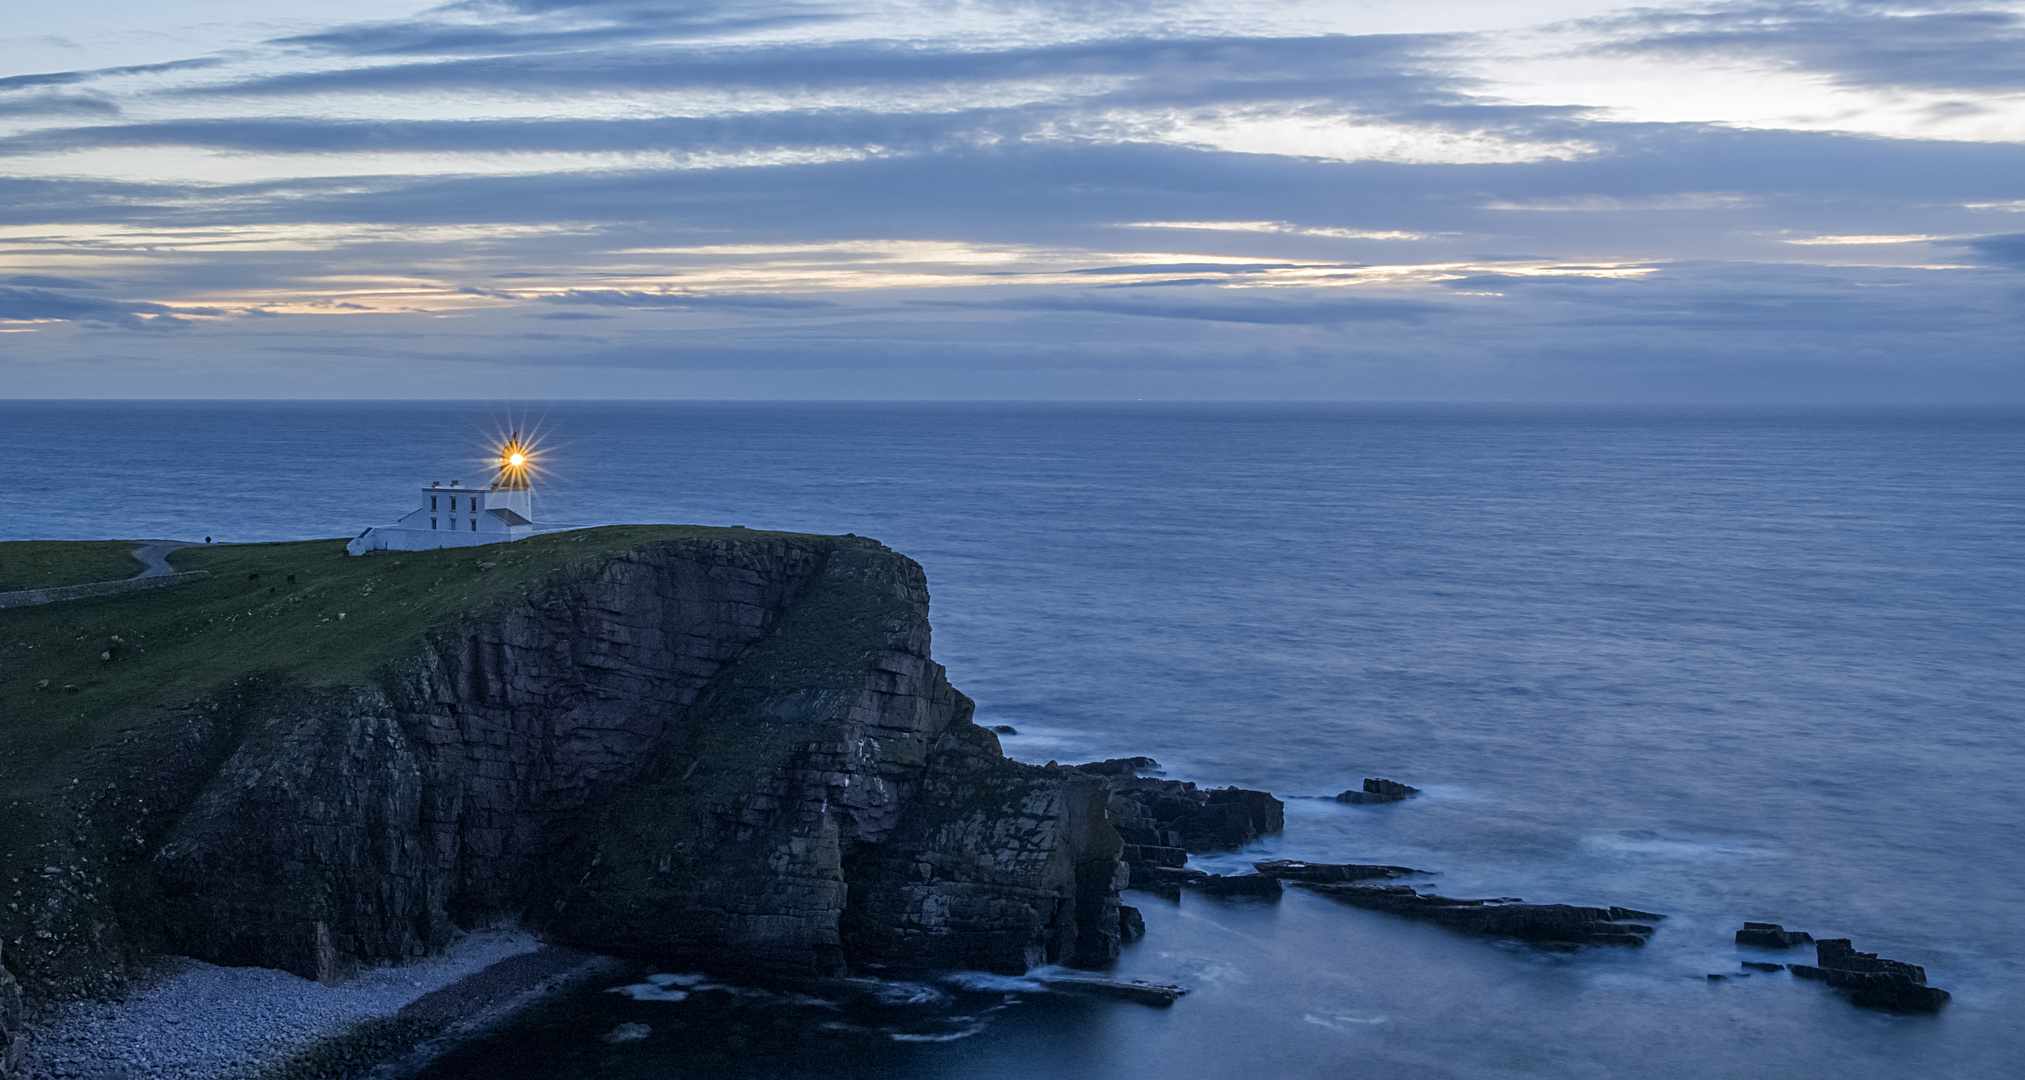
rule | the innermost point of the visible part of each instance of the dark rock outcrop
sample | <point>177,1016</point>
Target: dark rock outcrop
<point>1759,965</point>
<point>12,1043</point>
<point>1161,821</point>
<point>1004,729</point>
<point>1326,873</point>
<point>1378,791</point>
<point>1131,924</point>
<point>731,752</point>
<point>1867,980</point>
<point>1219,819</point>
<point>1552,925</point>
<point>1764,935</point>
<point>998,866</point>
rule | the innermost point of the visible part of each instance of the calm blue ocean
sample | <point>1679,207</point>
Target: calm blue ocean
<point>1723,664</point>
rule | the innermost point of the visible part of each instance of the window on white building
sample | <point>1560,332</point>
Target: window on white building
<point>474,524</point>
<point>432,523</point>
<point>432,502</point>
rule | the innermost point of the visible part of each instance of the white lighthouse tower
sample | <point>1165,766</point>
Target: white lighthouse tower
<point>453,515</point>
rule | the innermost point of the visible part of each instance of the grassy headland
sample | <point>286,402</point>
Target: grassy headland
<point>44,564</point>
<point>85,683</point>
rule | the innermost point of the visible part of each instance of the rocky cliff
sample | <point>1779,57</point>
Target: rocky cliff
<point>12,1045</point>
<point>717,747</point>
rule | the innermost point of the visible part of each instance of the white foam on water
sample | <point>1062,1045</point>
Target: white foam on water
<point>647,991</point>
<point>908,993</point>
<point>984,980</point>
<point>625,1033</point>
<point>1342,1022</point>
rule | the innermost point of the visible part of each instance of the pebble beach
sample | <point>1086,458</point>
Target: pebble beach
<point>189,1020</point>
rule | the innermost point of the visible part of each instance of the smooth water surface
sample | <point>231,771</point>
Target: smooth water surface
<point>1723,664</point>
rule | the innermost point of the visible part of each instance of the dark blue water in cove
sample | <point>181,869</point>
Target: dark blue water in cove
<point>1726,665</point>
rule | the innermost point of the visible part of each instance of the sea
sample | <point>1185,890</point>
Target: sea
<point>1724,664</point>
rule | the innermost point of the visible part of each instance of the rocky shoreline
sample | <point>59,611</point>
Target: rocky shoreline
<point>190,1019</point>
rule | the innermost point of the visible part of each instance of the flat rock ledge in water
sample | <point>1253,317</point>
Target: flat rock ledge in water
<point>1378,790</point>
<point>1867,980</point>
<point>1263,886</point>
<point>1329,873</point>
<point>1766,935</point>
<point>1158,995</point>
<point>1550,925</point>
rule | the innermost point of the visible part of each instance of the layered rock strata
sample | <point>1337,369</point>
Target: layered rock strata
<point>1162,821</point>
<point>731,752</point>
<point>1871,981</point>
<point>1764,935</point>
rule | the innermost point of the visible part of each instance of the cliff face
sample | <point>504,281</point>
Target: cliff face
<point>11,1045</point>
<point>730,749</point>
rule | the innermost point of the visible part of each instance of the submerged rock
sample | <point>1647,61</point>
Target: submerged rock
<point>1870,981</point>
<point>1323,873</point>
<point>1004,729</point>
<point>1764,935</point>
<point>1554,925</point>
<point>1758,965</point>
<point>1377,790</point>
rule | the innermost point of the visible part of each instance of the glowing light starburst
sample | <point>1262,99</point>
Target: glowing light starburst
<point>516,459</point>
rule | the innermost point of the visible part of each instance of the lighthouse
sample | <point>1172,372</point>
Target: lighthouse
<point>452,515</point>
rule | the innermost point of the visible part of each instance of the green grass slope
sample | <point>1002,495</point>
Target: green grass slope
<point>44,564</point>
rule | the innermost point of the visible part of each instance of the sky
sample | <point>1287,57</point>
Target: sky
<point>1526,200</point>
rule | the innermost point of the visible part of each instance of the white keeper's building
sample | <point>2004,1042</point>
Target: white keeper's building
<point>456,516</point>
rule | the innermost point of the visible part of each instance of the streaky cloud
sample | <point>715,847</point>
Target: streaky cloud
<point>62,78</point>
<point>440,38</point>
<point>629,298</point>
<point>46,281</point>
<point>41,305</point>
<point>1260,312</point>
<point>1912,45</point>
